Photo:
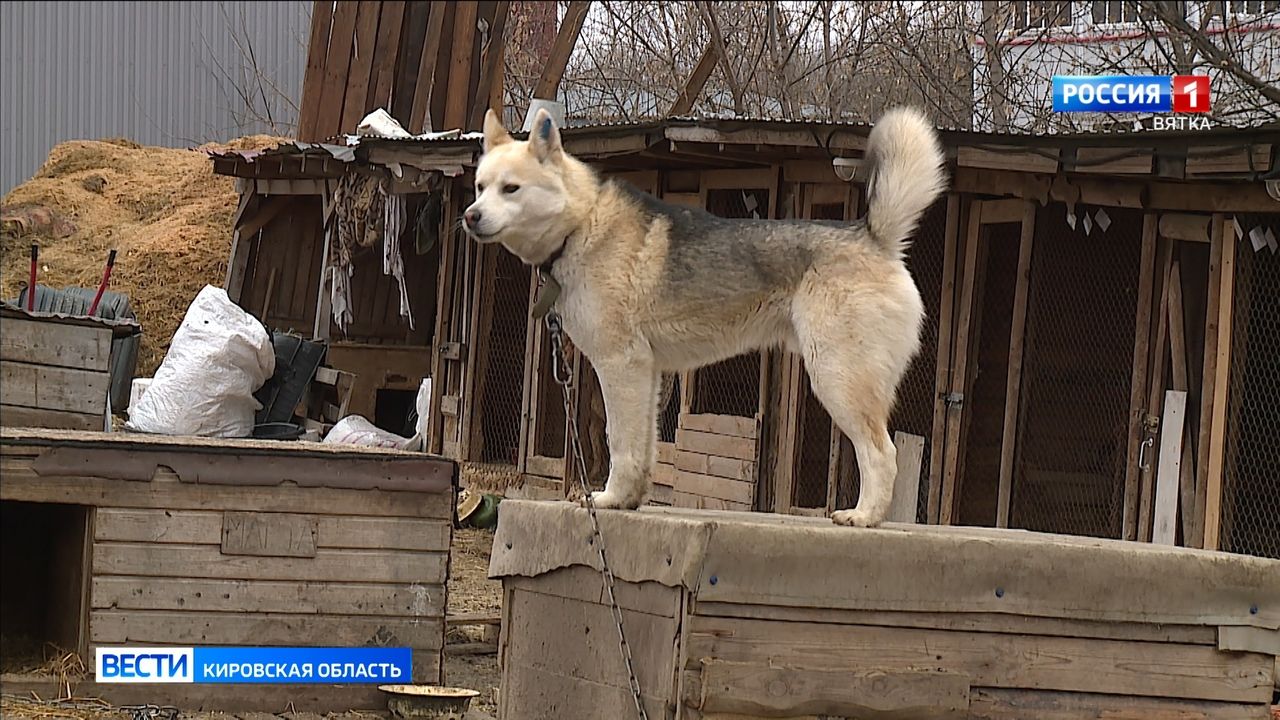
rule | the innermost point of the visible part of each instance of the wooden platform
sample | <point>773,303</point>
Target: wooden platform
<point>753,615</point>
<point>197,542</point>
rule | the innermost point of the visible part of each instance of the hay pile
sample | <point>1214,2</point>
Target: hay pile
<point>163,209</point>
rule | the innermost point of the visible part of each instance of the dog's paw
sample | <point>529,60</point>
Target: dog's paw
<point>608,501</point>
<point>854,518</point>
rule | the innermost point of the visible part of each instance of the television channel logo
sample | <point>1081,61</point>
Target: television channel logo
<point>253,665</point>
<point>1131,93</point>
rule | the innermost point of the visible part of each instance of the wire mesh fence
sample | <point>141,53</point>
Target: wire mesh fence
<point>669,413</point>
<point>1072,441</point>
<point>1251,481</point>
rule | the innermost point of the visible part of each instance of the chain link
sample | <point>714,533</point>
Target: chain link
<point>563,376</point>
<point>151,712</point>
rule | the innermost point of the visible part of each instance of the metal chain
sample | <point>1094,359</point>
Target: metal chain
<point>151,712</point>
<point>560,371</point>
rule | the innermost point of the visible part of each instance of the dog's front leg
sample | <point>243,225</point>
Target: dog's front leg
<point>629,384</point>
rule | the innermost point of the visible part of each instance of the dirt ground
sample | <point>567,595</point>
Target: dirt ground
<point>470,592</point>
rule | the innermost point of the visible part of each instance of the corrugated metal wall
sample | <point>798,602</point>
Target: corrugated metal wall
<point>160,73</point>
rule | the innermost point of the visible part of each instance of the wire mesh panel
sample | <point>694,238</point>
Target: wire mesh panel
<point>813,450</point>
<point>549,422</point>
<point>499,385</point>
<point>1077,370</point>
<point>669,414</point>
<point>1251,481</point>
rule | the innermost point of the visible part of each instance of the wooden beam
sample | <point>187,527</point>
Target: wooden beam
<point>385,53</point>
<point>427,69</point>
<point>697,80</point>
<point>267,211</point>
<point>906,486</point>
<point>238,263</point>
<point>1156,389</point>
<point>1138,380</point>
<point>837,140</point>
<point>491,70</point>
<point>324,298</point>
<point>566,39</point>
<point>942,370</point>
<point>337,63</point>
<point>1178,353</point>
<point>1013,383</point>
<point>1222,373</point>
<point>1208,375</point>
<point>1008,158</point>
<point>1168,470</point>
<point>464,38</point>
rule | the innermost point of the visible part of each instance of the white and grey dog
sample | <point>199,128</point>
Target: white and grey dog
<point>651,288</point>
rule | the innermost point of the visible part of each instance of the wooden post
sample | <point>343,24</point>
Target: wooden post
<point>1222,373</point>
<point>491,71</point>
<point>418,118</point>
<point>1178,352</point>
<point>1013,384</point>
<point>961,372</point>
<point>241,244</point>
<point>942,372</point>
<point>1209,375</point>
<point>324,297</point>
<point>1164,528</point>
<point>697,80</point>
<point>1138,381</point>
<point>464,37</point>
<point>1156,398</point>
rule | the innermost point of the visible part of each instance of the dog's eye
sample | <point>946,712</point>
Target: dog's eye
<point>479,189</point>
<point>508,189</point>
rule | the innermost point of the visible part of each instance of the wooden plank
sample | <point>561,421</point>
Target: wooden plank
<point>333,531</point>
<point>360,72</point>
<point>21,483</point>
<point>960,373</point>
<point>460,78</point>
<point>489,85</point>
<point>268,534</point>
<point>971,622</point>
<point>721,445</point>
<point>313,79</point>
<point>566,38</point>
<point>54,388</point>
<point>994,660</point>
<point>942,368</point>
<point>270,596</point>
<point>767,690</point>
<point>1008,158</point>
<point>1164,527</point>
<point>551,467</point>
<point>267,211</point>
<point>1114,161</point>
<point>1185,226</point>
<point>696,81</point>
<point>1013,382</point>
<point>710,486</point>
<point>732,425</point>
<point>337,62</point>
<point>1005,704</point>
<point>418,120</point>
<point>206,561</point>
<point>386,51</point>
<point>318,699</point>
<point>1138,379</point>
<point>56,344</point>
<point>1222,371</point>
<point>241,245</point>
<point>1178,352</point>
<point>1146,491</point>
<point>994,212</point>
<point>1253,158</point>
<point>257,629</point>
<point>15,416</point>
<point>324,294</point>
<point>906,486</point>
<point>1249,639</point>
<point>1208,375</point>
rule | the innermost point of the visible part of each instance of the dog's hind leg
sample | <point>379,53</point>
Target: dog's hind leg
<point>630,385</point>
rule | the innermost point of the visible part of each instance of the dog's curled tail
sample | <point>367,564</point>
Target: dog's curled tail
<point>906,177</point>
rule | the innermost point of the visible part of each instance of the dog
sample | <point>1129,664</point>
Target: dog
<point>649,288</point>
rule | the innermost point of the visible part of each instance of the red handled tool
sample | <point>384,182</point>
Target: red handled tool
<point>31,284</point>
<point>102,286</point>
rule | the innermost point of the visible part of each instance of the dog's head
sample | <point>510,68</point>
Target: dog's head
<point>521,190</point>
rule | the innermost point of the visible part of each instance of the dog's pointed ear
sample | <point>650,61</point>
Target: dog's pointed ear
<point>545,138</point>
<point>494,133</point>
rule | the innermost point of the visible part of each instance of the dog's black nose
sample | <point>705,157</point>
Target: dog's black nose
<point>472,217</point>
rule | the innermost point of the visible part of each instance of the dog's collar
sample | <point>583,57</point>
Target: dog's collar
<point>550,291</point>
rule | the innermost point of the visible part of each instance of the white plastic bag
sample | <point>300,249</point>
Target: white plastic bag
<point>219,357</point>
<point>356,430</point>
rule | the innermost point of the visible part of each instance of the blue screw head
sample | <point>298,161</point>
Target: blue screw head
<point>1253,609</point>
<point>714,579</point>
<point>999,592</point>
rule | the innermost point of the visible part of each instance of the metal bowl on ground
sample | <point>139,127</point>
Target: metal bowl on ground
<point>428,701</point>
